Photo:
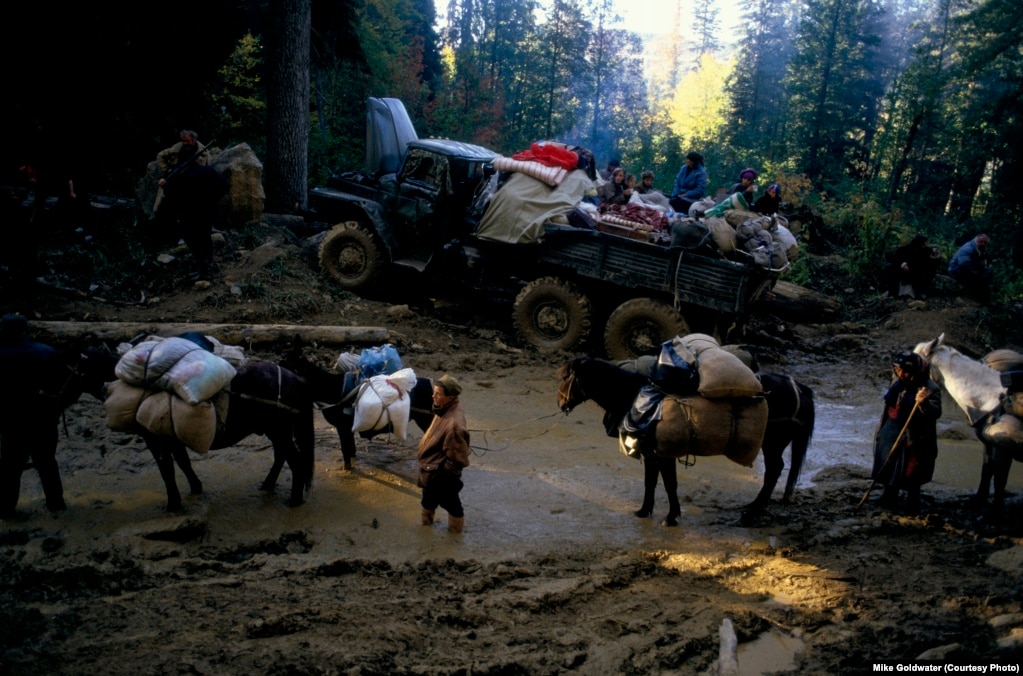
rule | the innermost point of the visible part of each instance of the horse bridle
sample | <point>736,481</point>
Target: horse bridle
<point>566,386</point>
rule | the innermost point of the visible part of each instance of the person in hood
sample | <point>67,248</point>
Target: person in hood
<point>770,201</point>
<point>906,441</point>
<point>690,184</point>
<point>443,454</point>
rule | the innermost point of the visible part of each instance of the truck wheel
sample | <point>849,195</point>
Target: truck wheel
<point>352,255</point>
<point>639,326</point>
<point>551,314</point>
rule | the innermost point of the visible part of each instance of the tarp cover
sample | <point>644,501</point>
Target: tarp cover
<point>519,209</point>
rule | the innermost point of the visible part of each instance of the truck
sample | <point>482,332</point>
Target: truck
<point>417,206</point>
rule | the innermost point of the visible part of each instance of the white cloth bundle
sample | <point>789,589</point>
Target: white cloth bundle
<point>384,400</point>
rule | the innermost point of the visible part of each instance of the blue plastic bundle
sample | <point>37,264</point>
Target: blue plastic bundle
<point>375,361</point>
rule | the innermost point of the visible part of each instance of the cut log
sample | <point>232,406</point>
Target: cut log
<point>795,303</point>
<point>228,334</point>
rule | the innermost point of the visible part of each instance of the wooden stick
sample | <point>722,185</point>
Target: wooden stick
<point>916,405</point>
<point>229,334</point>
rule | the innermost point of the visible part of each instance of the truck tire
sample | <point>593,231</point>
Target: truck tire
<point>352,255</point>
<point>551,314</point>
<point>639,326</point>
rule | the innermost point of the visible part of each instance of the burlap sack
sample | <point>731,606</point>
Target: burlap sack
<point>1004,360</point>
<point>695,425</point>
<point>165,414</point>
<point>737,217</point>
<point>121,404</point>
<point>724,376</point>
<point>698,342</point>
<point>722,233</point>
<point>1006,433</point>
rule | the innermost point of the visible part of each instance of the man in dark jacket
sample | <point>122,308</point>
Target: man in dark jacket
<point>443,453</point>
<point>192,192</point>
<point>906,442</point>
<point>969,267</point>
<point>29,413</point>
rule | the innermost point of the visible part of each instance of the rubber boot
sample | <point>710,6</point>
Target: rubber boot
<point>456,523</point>
<point>427,515</point>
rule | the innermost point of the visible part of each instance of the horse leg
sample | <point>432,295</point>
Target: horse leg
<point>979,500</point>
<point>184,462</point>
<point>1001,462</point>
<point>649,485</point>
<point>44,457</point>
<point>774,463</point>
<point>666,466</point>
<point>343,424</point>
<point>347,437</point>
<point>285,449</point>
<point>163,452</point>
<point>270,482</point>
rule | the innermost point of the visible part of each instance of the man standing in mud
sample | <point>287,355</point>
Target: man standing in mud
<point>191,192</point>
<point>443,453</point>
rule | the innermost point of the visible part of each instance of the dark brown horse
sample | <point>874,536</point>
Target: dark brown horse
<point>335,397</point>
<point>614,388</point>
<point>264,399</point>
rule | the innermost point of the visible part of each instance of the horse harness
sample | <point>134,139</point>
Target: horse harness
<point>269,402</point>
<point>794,417</point>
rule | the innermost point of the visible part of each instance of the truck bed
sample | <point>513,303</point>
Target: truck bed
<point>710,282</point>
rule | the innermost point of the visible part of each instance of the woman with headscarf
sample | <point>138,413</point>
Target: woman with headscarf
<point>906,442</point>
<point>769,202</point>
<point>745,186</point>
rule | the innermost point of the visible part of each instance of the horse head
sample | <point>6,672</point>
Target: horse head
<point>926,349</point>
<point>92,370</point>
<point>975,386</point>
<point>570,392</point>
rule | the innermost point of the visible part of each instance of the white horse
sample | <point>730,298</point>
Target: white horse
<point>977,389</point>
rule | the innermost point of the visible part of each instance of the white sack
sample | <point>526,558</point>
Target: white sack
<point>384,400</point>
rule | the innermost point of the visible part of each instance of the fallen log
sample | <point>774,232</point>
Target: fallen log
<point>795,303</point>
<point>228,334</point>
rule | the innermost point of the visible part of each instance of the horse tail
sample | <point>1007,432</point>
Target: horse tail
<point>805,418</point>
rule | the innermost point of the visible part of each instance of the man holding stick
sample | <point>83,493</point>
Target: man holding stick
<point>906,442</point>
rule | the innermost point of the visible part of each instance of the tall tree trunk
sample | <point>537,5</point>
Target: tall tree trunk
<point>287,138</point>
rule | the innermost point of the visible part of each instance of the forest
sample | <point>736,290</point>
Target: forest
<point>890,117</point>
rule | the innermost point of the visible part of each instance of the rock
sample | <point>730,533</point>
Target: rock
<point>182,529</point>
<point>1013,641</point>
<point>1010,560</point>
<point>940,653</point>
<point>244,172</point>
<point>1006,620</point>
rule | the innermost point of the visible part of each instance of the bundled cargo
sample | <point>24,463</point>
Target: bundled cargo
<point>696,425</point>
<point>384,400</point>
<point>164,413</point>
<point>175,365</point>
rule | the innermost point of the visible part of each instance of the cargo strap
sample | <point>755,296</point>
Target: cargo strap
<point>269,402</point>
